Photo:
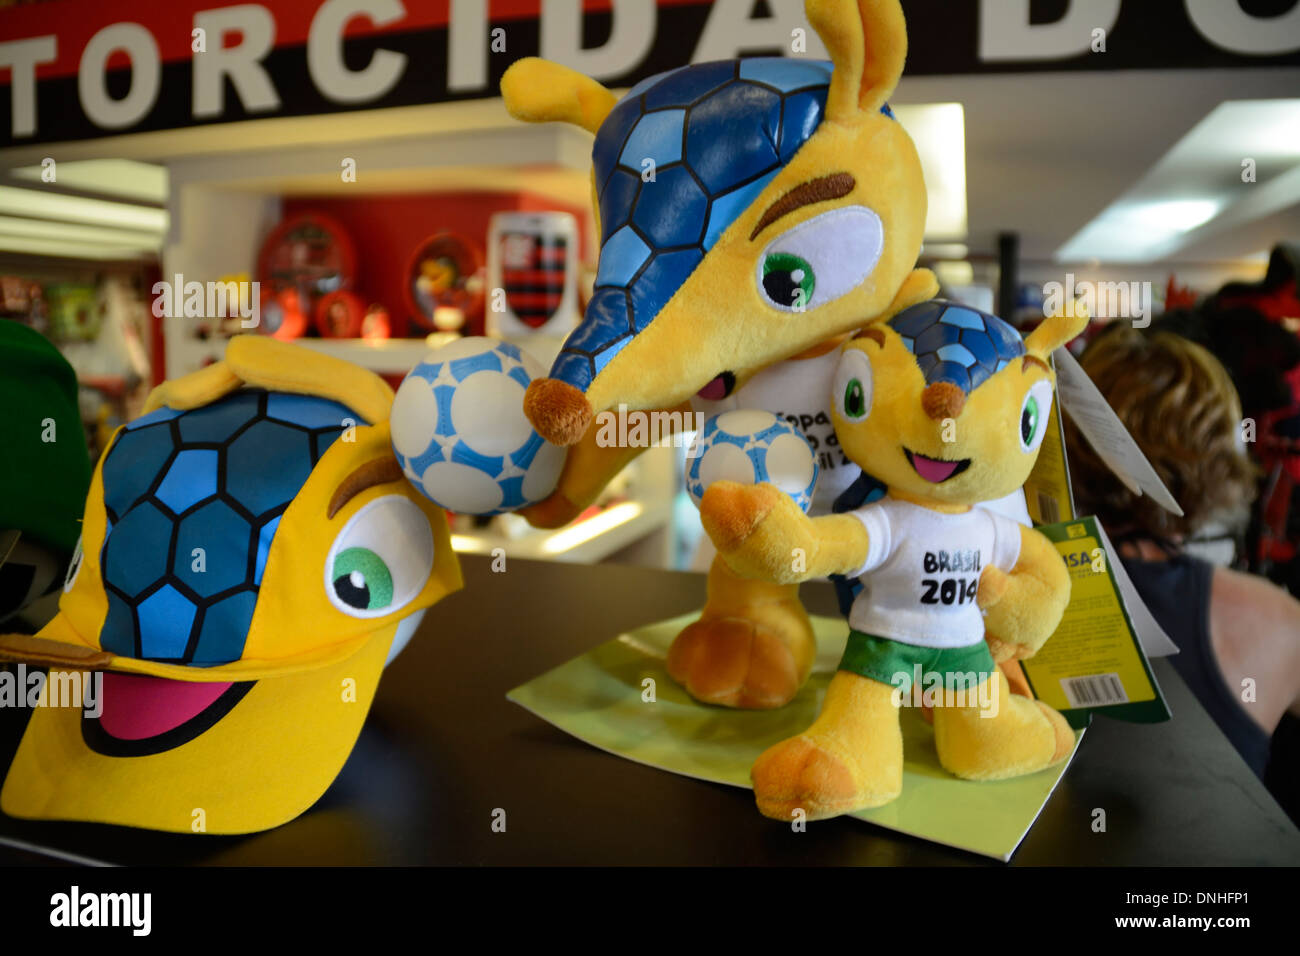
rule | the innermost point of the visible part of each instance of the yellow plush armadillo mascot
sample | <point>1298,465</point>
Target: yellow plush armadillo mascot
<point>786,210</point>
<point>948,407</point>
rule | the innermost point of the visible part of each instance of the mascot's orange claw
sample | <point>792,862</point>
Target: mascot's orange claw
<point>731,512</point>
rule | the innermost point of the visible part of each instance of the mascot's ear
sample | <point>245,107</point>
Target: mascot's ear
<point>539,91</point>
<point>867,41</point>
<point>1057,329</point>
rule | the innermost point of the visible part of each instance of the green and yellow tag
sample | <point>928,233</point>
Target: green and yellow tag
<point>1094,661</point>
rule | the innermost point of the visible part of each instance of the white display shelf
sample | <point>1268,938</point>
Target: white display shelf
<point>587,542</point>
<point>385,356</point>
<point>389,356</point>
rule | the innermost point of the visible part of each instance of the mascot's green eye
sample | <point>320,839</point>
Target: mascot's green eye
<point>380,559</point>
<point>362,579</point>
<point>788,279</point>
<point>855,399</point>
<point>1033,416</point>
<point>851,388</point>
<point>1029,420</point>
<point>820,259</point>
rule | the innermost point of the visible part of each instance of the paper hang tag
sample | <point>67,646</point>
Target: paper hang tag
<point>1047,490</point>
<point>1104,431</point>
<point>1155,642</point>
<point>1094,661</point>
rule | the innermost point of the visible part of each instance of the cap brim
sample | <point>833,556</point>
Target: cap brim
<point>267,758</point>
<point>59,645</point>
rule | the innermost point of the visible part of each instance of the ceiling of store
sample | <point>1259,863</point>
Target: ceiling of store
<point>1048,152</point>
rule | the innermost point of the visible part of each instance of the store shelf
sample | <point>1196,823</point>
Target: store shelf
<point>586,542</point>
<point>387,356</point>
<point>384,355</point>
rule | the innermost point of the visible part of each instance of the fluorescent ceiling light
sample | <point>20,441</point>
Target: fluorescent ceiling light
<point>123,178</point>
<point>939,132</point>
<point>75,232</point>
<point>1176,216</point>
<point>1238,164</point>
<point>38,204</point>
<point>60,248</point>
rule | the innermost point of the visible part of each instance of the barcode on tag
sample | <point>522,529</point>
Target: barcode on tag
<point>1048,509</point>
<point>1096,690</point>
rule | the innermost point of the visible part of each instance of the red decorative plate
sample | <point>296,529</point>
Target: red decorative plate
<point>339,315</point>
<point>309,253</point>
<point>445,272</point>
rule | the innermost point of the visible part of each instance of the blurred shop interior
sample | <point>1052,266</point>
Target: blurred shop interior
<point>377,232</point>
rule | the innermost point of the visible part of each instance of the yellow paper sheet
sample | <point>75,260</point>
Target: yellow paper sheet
<point>600,698</point>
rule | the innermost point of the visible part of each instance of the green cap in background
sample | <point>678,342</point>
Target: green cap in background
<point>43,483</point>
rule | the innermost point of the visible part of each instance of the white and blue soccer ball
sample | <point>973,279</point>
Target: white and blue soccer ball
<point>460,433</point>
<point>751,446</point>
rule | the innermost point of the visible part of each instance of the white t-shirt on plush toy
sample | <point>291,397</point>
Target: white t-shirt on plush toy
<point>922,571</point>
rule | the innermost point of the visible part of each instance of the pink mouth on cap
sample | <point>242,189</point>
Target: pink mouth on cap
<point>936,470</point>
<point>718,388</point>
<point>140,715</point>
<point>138,707</point>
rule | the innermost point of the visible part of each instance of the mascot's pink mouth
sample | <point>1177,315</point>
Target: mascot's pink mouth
<point>147,715</point>
<point>935,470</point>
<point>718,388</point>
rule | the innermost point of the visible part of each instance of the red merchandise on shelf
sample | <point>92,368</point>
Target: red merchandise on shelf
<point>310,253</point>
<point>339,315</point>
<point>445,272</point>
<point>387,227</point>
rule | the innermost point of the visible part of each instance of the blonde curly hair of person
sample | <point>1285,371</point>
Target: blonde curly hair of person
<point>1182,409</point>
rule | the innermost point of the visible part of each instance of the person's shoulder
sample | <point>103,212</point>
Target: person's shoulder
<point>1255,598</point>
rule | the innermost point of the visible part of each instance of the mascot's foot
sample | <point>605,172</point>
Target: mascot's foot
<point>1008,737</point>
<point>850,759</point>
<point>752,648</point>
<point>734,662</point>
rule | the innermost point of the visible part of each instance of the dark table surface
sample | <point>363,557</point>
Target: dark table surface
<point>443,749</point>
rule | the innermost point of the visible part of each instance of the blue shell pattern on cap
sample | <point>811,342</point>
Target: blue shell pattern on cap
<point>717,134</point>
<point>957,344</point>
<point>215,478</point>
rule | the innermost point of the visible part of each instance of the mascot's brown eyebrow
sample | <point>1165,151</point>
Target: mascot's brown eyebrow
<point>381,471</point>
<point>1037,361</point>
<point>834,186</point>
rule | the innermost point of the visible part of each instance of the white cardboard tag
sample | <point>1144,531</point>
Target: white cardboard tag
<point>1104,431</point>
<point>1155,642</point>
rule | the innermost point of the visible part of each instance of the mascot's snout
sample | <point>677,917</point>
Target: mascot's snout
<point>559,412</point>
